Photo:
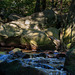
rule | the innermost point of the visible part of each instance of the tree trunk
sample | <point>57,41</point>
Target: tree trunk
<point>52,3</point>
<point>43,4</point>
<point>37,7</point>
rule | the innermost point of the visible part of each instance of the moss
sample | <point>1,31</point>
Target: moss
<point>53,32</point>
<point>70,61</point>
<point>24,40</point>
<point>2,52</point>
<point>71,69</point>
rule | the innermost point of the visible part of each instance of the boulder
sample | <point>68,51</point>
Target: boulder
<point>60,55</point>
<point>17,53</point>
<point>35,21</point>
<point>31,37</point>
<point>15,68</point>
<point>38,39</point>
<point>53,32</point>
<point>70,61</point>
<point>42,55</point>
<point>15,50</point>
<point>27,31</point>
<point>14,16</point>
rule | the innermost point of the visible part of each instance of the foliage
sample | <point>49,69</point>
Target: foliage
<point>26,7</point>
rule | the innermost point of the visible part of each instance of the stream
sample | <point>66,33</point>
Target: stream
<point>46,62</point>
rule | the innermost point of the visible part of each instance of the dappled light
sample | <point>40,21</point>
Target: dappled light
<point>37,37</point>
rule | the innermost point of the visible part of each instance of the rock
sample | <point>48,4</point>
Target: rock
<point>14,16</point>
<point>60,67</point>
<point>17,53</point>
<point>42,55</point>
<point>27,31</point>
<point>50,56</point>
<point>39,55</point>
<point>60,55</point>
<point>50,52</point>
<point>53,32</point>
<point>15,68</point>
<point>15,50</point>
<point>70,61</point>
<point>35,21</point>
<point>26,56</point>
<point>28,38</point>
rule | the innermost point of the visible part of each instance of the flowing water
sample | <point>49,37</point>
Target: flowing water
<point>51,66</point>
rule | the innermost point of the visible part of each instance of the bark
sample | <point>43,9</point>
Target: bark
<point>43,4</point>
<point>52,3</point>
<point>37,7</point>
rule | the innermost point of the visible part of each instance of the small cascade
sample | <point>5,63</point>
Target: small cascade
<point>41,61</point>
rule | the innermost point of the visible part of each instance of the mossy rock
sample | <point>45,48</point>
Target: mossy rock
<point>54,32</point>
<point>15,68</point>
<point>37,38</point>
<point>29,37</point>
<point>70,61</point>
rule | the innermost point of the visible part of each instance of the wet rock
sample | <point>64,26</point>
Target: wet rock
<point>55,54</point>
<point>42,55</point>
<point>15,68</point>
<point>49,56</point>
<point>50,52</point>
<point>15,50</point>
<point>39,55</point>
<point>17,53</point>
<point>60,67</point>
<point>35,55</point>
<point>26,56</point>
<point>60,55</point>
<point>14,16</point>
<point>29,30</point>
<point>70,61</point>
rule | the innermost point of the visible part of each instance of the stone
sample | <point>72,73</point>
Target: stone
<point>15,50</point>
<point>15,68</point>
<point>26,56</point>
<point>42,55</point>
<point>27,31</point>
<point>53,32</point>
<point>14,16</point>
<point>60,55</point>
<point>70,61</point>
<point>17,53</point>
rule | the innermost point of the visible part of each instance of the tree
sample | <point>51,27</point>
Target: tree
<point>40,5</point>
<point>37,7</point>
<point>43,4</point>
